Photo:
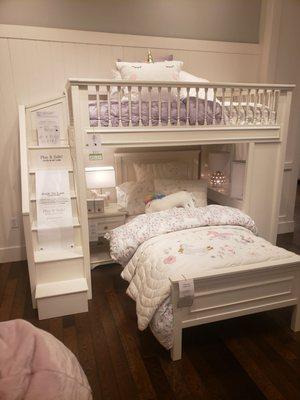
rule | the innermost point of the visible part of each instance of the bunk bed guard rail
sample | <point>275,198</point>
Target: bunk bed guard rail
<point>119,104</point>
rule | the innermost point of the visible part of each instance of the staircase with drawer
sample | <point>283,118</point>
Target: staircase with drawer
<point>59,278</point>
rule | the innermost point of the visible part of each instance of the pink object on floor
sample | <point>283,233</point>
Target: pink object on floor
<point>34,365</point>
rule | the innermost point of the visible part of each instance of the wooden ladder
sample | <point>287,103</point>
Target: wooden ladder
<point>59,279</point>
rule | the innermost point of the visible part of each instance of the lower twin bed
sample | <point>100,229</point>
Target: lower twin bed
<point>161,249</point>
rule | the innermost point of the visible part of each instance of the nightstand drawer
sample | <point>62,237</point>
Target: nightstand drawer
<point>106,224</point>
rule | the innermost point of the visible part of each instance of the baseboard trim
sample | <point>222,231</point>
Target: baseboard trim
<point>286,227</point>
<point>12,254</point>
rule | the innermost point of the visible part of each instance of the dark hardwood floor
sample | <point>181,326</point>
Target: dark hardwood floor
<point>253,357</point>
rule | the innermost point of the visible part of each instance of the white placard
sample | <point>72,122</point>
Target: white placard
<point>186,293</point>
<point>54,209</point>
<point>93,145</point>
<point>51,159</point>
<point>48,124</point>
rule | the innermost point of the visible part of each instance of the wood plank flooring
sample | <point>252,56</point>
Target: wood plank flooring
<point>253,357</point>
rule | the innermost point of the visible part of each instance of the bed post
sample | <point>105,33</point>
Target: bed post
<point>176,350</point>
<point>295,322</point>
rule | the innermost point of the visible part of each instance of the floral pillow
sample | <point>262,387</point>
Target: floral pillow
<point>144,171</point>
<point>198,187</point>
<point>131,196</point>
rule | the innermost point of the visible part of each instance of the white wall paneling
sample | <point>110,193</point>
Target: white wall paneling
<point>36,62</point>
<point>279,37</point>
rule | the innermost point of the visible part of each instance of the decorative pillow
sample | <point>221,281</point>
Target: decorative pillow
<point>197,187</point>
<point>131,195</point>
<point>178,199</point>
<point>159,71</point>
<point>187,77</point>
<point>173,169</point>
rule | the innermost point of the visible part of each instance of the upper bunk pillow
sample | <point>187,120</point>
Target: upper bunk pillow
<point>159,71</point>
<point>198,187</point>
<point>187,77</point>
<point>148,172</point>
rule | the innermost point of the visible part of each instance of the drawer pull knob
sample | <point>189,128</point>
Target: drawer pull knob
<point>106,227</point>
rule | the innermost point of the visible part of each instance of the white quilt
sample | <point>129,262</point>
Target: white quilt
<point>176,241</point>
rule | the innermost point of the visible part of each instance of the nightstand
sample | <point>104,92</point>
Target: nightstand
<point>99,224</point>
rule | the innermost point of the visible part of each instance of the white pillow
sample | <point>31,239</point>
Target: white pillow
<point>159,71</point>
<point>187,77</point>
<point>173,169</point>
<point>198,187</point>
<point>131,196</point>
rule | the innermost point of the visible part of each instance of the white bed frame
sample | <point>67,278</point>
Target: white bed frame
<point>228,293</point>
<point>60,282</point>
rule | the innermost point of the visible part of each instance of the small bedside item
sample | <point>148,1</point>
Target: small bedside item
<point>99,205</point>
<point>90,206</point>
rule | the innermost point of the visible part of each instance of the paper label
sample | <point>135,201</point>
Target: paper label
<point>54,209</point>
<point>48,125</point>
<point>49,158</point>
<point>186,293</point>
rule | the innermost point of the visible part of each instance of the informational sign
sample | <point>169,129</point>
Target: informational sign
<point>93,146</point>
<point>54,209</point>
<point>186,293</point>
<point>51,159</point>
<point>48,125</point>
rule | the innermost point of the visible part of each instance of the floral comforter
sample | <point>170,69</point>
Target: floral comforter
<point>155,247</point>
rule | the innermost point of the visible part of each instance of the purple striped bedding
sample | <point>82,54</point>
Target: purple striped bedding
<point>232,113</point>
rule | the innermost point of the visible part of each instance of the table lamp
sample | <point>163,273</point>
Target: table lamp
<point>98,178</point>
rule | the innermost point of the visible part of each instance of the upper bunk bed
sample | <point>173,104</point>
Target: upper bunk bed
<point>154,113</point>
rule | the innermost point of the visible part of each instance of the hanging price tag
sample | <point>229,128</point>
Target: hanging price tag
<point>186,293</point>
<point>93,145</point>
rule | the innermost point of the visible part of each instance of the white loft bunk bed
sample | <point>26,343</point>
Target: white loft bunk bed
<point>153,115</point>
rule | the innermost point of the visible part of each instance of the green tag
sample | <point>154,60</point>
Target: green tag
<point>95,156</point>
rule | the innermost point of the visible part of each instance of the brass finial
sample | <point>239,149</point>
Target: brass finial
<point>149,57</point>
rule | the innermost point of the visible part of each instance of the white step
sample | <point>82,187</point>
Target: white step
<point>76,237</point>
<point>33,171</point>
<point>42,256</point>
<point>62,298</point>
<point>36,147</point>
<point>32,182</point>
<point>72,195</point>
<point>34,214</point>
<point>75,223</point>
<point>58,288</point>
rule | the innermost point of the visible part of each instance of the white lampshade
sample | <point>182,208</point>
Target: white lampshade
<point>100,177</point>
